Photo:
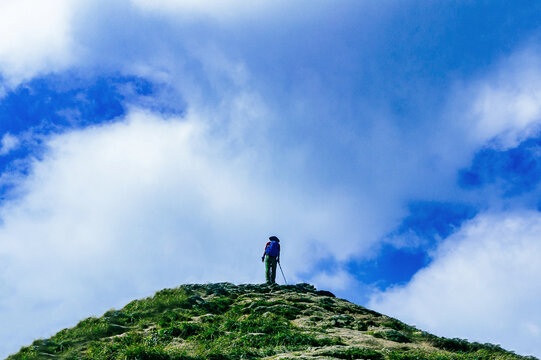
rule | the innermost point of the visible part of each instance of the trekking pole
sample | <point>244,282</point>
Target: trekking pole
<point>283,273</point>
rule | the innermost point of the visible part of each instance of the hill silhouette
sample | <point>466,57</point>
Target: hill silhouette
<point>225,321</point>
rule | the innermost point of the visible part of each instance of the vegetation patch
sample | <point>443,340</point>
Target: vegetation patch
<point>441,355</point>
<point>354,353</point>
<point>392,335</point>
<point>461,345</point>
<point>342,320</point>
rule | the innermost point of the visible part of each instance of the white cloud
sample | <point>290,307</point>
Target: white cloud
<point>216,9</point>
<point>483,284</point>
<point>8,143</point>
<point>505,106</point>
<point>34,37</point>
<point>338,280</point>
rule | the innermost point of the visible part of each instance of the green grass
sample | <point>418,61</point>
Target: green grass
<point>442,355</point>
<point>354,353</point>
<point>149,328</point>
<point>230,337</point>
<point>392,335</point>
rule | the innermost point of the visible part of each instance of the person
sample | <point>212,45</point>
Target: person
<point>271,257</point>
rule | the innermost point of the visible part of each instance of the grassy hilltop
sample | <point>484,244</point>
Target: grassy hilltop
<point>225,321</point>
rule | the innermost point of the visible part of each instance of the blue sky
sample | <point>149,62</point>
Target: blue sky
<point>393,147</point>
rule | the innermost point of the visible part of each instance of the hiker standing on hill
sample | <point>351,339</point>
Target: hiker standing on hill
<point>271,256</point>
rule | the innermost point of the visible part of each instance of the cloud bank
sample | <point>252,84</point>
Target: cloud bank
<point>483,283</point>
<point>506,106</point>
<point>36,37</point>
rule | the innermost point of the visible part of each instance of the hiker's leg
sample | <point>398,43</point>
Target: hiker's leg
<point>273,277</point>
<point>267,269</point>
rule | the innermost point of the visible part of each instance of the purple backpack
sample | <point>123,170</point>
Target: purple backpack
<point>273,249</point>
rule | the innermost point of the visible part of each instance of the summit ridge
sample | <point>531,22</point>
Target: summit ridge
<point>226,321</point>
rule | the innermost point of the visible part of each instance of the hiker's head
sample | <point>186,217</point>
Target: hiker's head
<point>274,238</point>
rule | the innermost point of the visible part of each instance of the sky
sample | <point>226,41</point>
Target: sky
<point>393,147</point>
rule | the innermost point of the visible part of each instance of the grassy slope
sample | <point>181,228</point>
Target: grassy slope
<point>225,321</point>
